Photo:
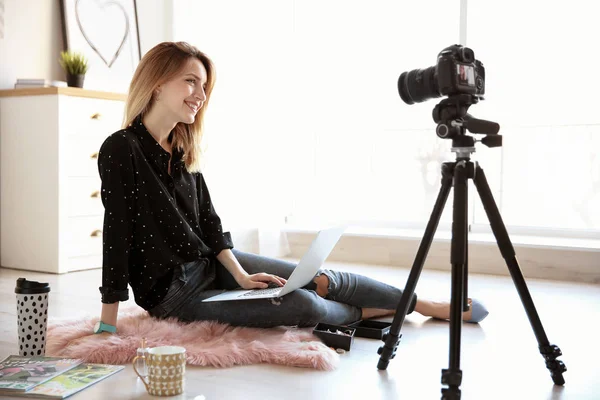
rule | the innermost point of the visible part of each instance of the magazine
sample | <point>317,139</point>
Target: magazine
<point>20,374</point>
<point>72,381</point>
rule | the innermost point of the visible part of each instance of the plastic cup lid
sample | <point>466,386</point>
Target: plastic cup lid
<point>31,287</point>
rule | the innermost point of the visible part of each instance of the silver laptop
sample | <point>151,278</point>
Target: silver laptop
<point>304,272</point>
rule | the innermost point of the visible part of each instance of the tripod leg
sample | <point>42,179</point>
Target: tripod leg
<point>466,270</point>
<point>452,377</point>
<point>548,351</point>
<point>392,339</point>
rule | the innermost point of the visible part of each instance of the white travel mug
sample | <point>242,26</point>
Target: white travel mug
<point>32,316</point>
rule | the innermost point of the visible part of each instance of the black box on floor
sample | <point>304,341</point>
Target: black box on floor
<point>371,329</point>
<point>331,337</point>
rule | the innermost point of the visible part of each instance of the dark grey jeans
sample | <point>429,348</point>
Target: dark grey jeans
<point>347,294</point>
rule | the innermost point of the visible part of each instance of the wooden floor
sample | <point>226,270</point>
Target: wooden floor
<point>500,359</point>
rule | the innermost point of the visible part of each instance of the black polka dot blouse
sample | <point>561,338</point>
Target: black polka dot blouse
<point>153,221</point>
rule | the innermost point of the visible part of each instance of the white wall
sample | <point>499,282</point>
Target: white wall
<point>33,37</point>
<point>32,41</point>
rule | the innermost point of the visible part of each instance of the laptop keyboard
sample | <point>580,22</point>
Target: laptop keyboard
<point>261,292</point>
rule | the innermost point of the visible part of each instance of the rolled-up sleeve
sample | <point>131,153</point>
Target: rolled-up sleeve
<point>210,223</point>
<point>118,190</point>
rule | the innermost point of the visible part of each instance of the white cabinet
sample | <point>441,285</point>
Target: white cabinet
<point>51,211</point>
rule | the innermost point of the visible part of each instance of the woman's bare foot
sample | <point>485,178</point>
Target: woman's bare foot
<point>428,308</point>
<point>436,309</point>
<point>439,309</point>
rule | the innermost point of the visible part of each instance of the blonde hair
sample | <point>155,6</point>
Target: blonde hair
<point>159,65</point>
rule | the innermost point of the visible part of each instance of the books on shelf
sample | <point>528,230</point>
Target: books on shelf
<point>37,83</point>
<point>49,377</point>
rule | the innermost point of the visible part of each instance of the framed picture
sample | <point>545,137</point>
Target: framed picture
<point>106,33</point>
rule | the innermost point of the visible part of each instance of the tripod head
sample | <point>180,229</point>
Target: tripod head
<point>453,121</point>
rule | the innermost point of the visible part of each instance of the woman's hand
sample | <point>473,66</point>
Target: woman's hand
<point>246,281</point>
<point>259,281</point>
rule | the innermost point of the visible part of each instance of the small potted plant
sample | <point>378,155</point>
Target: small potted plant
<point>75,65</point>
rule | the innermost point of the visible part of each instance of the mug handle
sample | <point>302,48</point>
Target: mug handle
<point>138,374</point>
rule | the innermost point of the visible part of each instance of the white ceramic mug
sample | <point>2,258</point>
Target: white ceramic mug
<point>166,370</point>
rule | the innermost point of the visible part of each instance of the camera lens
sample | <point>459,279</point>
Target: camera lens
<point>418,85</point>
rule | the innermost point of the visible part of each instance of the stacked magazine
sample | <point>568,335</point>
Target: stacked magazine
<point>49,377</point>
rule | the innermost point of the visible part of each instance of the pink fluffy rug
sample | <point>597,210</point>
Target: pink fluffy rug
<point>207,343</point>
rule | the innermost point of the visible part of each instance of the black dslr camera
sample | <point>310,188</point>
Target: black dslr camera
<point>456,72</point>
<point>461,77</point>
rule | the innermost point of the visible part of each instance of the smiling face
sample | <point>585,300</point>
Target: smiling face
<point>181,98</point>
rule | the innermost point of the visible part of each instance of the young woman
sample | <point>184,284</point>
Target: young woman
<point>163,237</point>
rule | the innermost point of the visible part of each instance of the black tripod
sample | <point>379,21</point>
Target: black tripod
<point>452,118</point>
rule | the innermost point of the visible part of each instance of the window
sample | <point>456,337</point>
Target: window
<point>307,98</point>
<point>541,61</point>
<point>367,157</point>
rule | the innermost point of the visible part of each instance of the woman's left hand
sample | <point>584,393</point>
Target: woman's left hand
<point>259,281</point>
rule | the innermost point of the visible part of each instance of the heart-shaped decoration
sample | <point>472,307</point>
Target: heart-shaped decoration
<point>105,15</point>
